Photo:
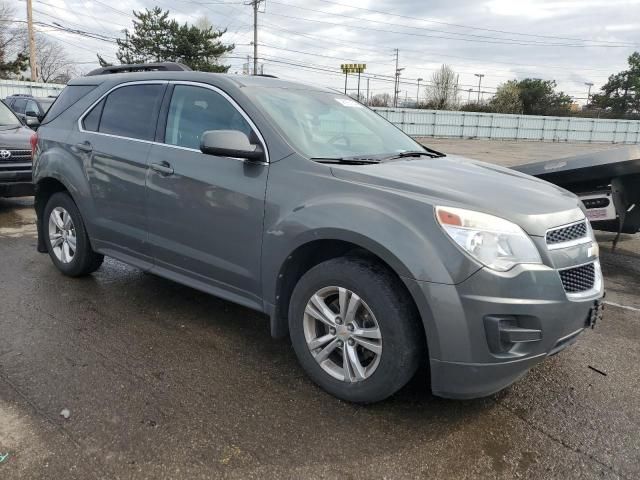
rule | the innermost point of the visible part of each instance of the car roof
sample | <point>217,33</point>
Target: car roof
<point>217,79</point>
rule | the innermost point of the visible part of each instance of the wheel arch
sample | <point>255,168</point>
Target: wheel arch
<point>314,251</point>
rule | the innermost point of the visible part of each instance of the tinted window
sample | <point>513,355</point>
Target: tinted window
<point>19,105</point>
<point>32,107</point>
<point>194,110</point>
<point>70,95</point>
<point>132,111</point>
<point>92,120</point>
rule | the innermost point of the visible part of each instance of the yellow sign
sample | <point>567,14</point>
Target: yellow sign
<point>353,67</point>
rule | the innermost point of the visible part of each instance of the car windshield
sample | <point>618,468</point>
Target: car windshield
<point>7,118</point>
<point>330,125</point>
<point>46,103</point>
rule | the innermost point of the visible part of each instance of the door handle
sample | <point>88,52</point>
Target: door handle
<point>163,168</point>
<point>85,146</point>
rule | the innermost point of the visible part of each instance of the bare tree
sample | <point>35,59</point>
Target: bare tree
<point>53,62</point>
<point>13,57</point>
<point>380,100</point>
<point>442,92</point>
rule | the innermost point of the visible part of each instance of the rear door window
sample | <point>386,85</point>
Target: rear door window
<point>132,111</point>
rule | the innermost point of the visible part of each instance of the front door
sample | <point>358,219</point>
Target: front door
<point>205,212</point>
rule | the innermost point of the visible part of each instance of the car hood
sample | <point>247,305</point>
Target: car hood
<point>533,204</point>
<point>15,137</point>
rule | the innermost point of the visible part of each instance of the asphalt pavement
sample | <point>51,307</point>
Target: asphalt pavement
<point>161,381</point>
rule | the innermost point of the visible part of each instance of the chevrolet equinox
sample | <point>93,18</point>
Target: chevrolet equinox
<point>373,253</point>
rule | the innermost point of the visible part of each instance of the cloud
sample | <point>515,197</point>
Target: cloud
<point>308,40</point>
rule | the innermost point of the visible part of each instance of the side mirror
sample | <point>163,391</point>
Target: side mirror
<point>31,113</point>
<point>31,121</point>
<point>230,143</point>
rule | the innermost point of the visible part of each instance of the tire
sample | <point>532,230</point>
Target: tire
<point>382,303</point>
<point>71,262</point>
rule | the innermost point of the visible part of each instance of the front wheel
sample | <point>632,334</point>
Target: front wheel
<point>67,240</point>
<point>354,330</point>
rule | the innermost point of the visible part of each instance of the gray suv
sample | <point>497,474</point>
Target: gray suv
<point>374,254</point>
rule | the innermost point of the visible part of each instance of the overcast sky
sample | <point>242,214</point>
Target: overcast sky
<point>571,41</point>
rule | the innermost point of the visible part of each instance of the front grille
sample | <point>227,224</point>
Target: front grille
<point>566,234</point>
<point>578,279</point>
<point>17,155</point>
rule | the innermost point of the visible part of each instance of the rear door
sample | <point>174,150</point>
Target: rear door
<point>206,212</point>
<point>114,139</point>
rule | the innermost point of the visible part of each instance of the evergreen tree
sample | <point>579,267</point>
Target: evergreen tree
<point>157,38</point>
<point>621,93</point>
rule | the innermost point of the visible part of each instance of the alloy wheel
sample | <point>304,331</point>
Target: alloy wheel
<point>62,235</point>
<point>342,334</point>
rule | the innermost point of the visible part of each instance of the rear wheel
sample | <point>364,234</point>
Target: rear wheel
<point>66,237</point>
<point>355,330</point>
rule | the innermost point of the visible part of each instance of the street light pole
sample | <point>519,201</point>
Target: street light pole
<point>479,75</point>
<point>418,92</point>
<point>588,84</point>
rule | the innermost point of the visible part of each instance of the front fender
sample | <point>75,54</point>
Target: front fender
<point>382,227</point>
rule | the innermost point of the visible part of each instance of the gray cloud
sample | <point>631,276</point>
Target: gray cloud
<point>422,48</point>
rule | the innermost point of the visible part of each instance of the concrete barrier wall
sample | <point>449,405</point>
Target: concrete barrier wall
<point>451,124</point>
<point>11,87</point>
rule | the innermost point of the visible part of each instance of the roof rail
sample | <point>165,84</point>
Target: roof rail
<point>140,67</point>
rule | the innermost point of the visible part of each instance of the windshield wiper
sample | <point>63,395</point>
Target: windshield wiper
<point>347,160</point>
<point>427,152</point>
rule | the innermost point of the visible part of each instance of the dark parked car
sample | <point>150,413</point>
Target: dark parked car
<point>374,254</point>
<point>31,110</point>
<point>15,155</point>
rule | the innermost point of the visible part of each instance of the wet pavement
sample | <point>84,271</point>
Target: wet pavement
<point>162,381</point>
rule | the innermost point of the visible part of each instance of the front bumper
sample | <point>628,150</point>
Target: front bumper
<point>17,189</point>
<point>486,332</point>
<point>16,182</point>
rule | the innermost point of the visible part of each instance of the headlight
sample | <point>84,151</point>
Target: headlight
<point>493,241</point>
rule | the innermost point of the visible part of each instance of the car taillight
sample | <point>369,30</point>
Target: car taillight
<point>34,143</point>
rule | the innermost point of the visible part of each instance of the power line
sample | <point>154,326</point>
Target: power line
<point>474,36</point>
<point>468,26</point>
<point>414,34</point>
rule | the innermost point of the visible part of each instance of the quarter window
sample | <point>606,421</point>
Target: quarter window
<point>195,110</point>
<point>91,121</point>
<point>132,111</point>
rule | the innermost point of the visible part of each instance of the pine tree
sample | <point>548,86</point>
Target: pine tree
<point>157,38</point>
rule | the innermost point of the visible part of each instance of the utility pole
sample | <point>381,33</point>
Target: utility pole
<point>32,43</point>
<point>588,84</point>
<point>469,95</point>
<point>397,83</point>
<point>479,75</point>
<point>418,92</point>
<point>367,91</point>
<point>256,4</point>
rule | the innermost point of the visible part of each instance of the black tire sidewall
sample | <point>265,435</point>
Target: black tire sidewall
<point>83,253</point>
<point>394,314</point>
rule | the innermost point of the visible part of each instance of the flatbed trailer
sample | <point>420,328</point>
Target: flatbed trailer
<point>607,182</point>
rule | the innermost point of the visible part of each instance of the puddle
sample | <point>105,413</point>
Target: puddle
<point>17,222</point>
